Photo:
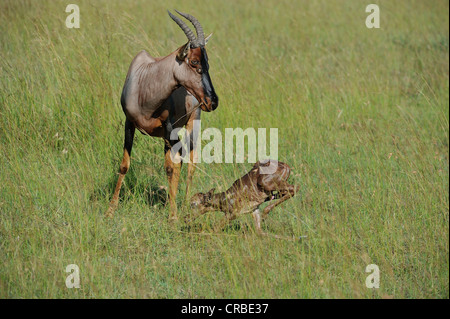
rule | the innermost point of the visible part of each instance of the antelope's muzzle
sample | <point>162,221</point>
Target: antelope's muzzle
<point>210,104</point>
<point>211,101</point>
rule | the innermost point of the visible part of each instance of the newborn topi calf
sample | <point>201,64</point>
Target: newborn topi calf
<point>266,181</point>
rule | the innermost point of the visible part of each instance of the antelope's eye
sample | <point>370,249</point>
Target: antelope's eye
<point>195,62</point>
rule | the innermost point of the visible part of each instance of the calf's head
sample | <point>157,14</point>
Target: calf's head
<point>202,201</point>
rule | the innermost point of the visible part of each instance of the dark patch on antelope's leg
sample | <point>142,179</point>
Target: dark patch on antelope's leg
<point>169,129</point>
<point>124,166</point>
<point>173,175</point>
<point>169,119</point>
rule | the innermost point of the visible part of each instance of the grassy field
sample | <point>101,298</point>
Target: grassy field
<point>362,117</point>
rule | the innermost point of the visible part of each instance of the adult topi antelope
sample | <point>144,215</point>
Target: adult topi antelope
<point>161,94</point>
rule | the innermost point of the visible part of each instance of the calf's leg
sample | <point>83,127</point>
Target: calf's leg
<point>287,193</point>
<point>257,218</point>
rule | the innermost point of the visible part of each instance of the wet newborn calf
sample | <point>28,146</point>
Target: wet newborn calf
<point>266,181</point>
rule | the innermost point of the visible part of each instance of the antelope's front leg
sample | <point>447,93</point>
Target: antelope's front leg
<point>193,154</point>
<point>172,166</point>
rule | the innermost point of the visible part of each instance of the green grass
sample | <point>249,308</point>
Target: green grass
<point>363,121</point>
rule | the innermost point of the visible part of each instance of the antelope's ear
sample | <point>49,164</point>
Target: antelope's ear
<point>207,38</point>
<point>183,51</point>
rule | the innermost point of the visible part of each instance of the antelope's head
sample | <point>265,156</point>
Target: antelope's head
<point>192,70</point>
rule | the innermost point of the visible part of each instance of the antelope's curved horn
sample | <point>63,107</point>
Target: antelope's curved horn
<point>188,32</point>
<point>197,25</point>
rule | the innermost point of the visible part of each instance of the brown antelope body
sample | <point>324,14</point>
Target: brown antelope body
<point>247,194</point>
<point>164,93</point>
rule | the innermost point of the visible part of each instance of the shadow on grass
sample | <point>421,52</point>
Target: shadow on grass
<point>135,186</point>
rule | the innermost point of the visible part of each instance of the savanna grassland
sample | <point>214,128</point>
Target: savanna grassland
<point>362,117</point>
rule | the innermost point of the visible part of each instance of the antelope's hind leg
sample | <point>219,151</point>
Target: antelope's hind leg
<point>124,166</point>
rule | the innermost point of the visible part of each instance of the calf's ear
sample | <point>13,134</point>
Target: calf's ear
<point>211,192</point>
